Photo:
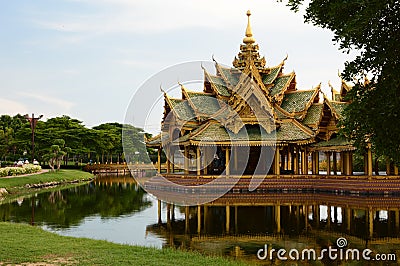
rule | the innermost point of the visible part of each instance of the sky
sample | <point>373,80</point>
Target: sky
<point>87,58</point>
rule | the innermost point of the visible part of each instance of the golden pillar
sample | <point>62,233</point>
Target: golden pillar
<point>370,223</point>
<point>186,219</point>
<point>396,170</point>
<point>198,162</point>
<point>276,161</point>
<point>296,160</point>
<point>159,211</point>
<point>334,163</point>
<point>348,219</point>
<point>198,219</point>
<point>167,150</point>
<point>328,163</point>
<point>369,160</point>
<point>278,218</point>
<point>159,160</point>
<point>236,219</point>
<point>205,214</point>
<point>397,220</point>
<point>227,218</point>
<point>186,160</point>
<point>173,161</point>
<point>227,161</point>
<point>235,158</point>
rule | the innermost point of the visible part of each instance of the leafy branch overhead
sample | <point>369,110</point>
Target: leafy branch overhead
<point>372,28</point>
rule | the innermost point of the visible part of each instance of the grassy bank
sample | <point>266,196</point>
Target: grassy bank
<point>26,244</point>
<point>22,185</point>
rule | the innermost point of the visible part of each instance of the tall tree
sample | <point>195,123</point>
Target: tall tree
<point>372,27</point>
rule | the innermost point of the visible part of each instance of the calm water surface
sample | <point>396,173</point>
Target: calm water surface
<point>117,210</point>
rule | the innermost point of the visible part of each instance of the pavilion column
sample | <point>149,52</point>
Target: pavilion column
<point>343,160</point>
<point>350,163</point>
<point>396,170</point>
<point>283,161</point>
<point>370,222</point>
<point>334,163</point>
<point>167,150</point>
<point>303,162</point>
<point>198,162</point>
<point>159,160</point>
<point>369,160</point>
<point>227,218</point>
<point>159,211</point>
<point>173,161</point>
<point>315,158</point>
<point>205,163</point>
<point>186,160</point>
<point>235,158</point>
<point>296,161</point>
<point>187,219</point>
<point>290,158</point>
<point>278,218</point>
<point>328,163</point>
<point>205,214</point>
<point>227,160</point>
<point>276,161</point>
<point>397,220</point>
<point>198,219</point>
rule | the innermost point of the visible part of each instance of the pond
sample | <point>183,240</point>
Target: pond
<point>118,210</point>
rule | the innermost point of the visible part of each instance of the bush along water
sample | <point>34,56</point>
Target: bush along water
<point>14,171</point>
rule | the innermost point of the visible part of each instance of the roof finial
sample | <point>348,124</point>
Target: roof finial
<point>249,34</point>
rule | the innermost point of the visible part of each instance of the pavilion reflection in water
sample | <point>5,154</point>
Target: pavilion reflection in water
<point>236,226</point>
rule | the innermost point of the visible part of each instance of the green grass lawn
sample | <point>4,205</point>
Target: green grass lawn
<point>27,244</point>
<point>60,176</point>
<point>16,186</point>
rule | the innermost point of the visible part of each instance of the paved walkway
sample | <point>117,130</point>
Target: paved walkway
<point>37,173</point>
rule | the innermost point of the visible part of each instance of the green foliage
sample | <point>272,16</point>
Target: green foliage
<point>372,27</point>
<point>102,143</point>
<point>13,171</point>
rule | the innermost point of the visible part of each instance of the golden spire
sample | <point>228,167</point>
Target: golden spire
<point>249,34</point>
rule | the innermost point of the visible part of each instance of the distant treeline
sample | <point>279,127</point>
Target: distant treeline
<point>101,143</point>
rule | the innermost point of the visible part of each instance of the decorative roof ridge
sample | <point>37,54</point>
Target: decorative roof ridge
<point>312,98</point>
<point>222,74</point>
<point>332,108</point>
<point>304,128</point>
<point>300,91</point>
<point>196,131</point>
<point>280,109</point>
<point>279,96</point>
<point>191,104</point>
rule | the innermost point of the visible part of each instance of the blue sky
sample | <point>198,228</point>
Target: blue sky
<point>86,58</point>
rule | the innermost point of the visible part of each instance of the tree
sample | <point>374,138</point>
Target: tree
<point>372,27</point>
<point>56,154</point>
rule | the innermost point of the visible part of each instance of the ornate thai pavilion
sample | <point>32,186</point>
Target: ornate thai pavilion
<point>252,119</point>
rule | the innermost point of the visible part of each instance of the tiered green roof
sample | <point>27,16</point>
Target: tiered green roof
<point>296,116</point>
<point>297,101</point>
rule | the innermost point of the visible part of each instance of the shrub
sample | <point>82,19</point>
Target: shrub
<point>14,171</point>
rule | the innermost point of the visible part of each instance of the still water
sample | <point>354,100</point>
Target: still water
<point>118,210</point>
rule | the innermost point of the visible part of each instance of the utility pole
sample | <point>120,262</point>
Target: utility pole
<point>33,121</point>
